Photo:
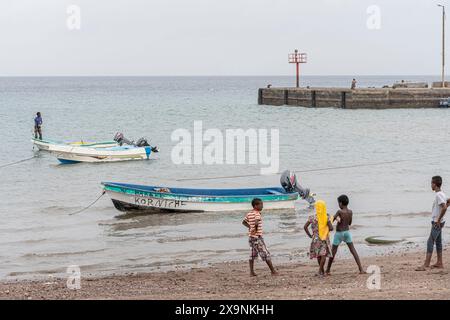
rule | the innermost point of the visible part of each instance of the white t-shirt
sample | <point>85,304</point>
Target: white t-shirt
<point>436,211</point>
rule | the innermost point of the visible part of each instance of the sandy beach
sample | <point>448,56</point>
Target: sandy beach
<point>296,281</point>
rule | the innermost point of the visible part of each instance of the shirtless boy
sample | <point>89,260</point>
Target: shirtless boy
<point>344,220</point>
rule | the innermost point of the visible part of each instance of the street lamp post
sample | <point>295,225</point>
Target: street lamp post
<point>443,44</point>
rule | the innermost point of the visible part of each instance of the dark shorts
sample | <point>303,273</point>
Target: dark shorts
<point>258,247</point>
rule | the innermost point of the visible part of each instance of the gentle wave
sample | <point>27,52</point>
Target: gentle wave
<point>60,254</point>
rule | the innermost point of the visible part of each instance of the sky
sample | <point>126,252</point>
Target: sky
<point>211,37</point>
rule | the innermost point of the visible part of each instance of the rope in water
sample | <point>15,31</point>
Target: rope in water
<point>310,170</point>
<point>17,162</point>
<point>85,208</point>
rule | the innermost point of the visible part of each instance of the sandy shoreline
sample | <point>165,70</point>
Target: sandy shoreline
<point>231,281</point>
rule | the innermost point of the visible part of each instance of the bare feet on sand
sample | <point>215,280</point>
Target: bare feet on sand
<point>422,268</point>
<point>320,275</point>
<point>275,273</point>
<point>252,274</point>
<point>437,266</point>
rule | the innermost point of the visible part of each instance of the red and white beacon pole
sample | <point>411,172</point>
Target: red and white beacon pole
<point>297,58</point>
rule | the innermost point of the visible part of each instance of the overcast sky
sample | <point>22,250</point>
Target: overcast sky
<point>227,37</point>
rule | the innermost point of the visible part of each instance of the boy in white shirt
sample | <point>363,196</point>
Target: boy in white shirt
<point>440,205</point>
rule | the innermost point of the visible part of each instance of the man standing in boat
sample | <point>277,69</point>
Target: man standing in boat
<point>37,126</point>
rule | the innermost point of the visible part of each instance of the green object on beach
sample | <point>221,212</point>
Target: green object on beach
<point>383,240</point>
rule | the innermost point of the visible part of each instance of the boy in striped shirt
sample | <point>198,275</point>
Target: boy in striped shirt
<point>253,222</point>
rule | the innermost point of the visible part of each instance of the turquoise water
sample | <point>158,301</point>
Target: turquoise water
<point>39,237</point>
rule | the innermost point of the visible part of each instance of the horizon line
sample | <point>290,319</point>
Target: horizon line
<point>219,75</point>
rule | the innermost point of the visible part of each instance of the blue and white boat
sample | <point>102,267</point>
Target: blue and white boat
<point>121,149</point>
<point>130,197</point>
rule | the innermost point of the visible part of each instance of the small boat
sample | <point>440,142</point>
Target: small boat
<point>130,197</point>
<point>74,154</point>
<point>45,144</point>
<point>381,240</point>
<point>444,103</point>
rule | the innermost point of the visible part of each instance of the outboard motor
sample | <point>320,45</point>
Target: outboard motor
<point>289,183</point>
<point>120,139</point>
<point>142,142</point>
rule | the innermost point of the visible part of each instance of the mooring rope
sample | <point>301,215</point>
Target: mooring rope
<point>17,162</point>
<point>310,170</point>
<point>85,208</point>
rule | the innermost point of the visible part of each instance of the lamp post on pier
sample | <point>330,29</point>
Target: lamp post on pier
<point>297,58</point>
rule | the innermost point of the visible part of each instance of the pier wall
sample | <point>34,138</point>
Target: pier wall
<point>361,98</point>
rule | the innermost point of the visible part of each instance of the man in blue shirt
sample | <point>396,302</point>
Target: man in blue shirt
<point>37,126</point>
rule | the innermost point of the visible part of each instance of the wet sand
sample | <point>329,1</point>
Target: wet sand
<point>399,280</point>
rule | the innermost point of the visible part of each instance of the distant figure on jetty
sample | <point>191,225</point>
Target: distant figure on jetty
<point>438,211</point>
<point>344,217</point>
<point>253,221</point>
<point>269,86</point>
<point>320,240</point>
<point>353,84</point>
<point>37,126</point>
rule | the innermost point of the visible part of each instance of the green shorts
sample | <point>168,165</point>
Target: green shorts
<point>340,236</point>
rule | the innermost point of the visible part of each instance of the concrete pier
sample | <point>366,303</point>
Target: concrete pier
<point>361,98</point>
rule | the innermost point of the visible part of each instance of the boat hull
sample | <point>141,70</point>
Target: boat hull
<point>132,199</point>
<point>71,154</point>
<point>46,144</point>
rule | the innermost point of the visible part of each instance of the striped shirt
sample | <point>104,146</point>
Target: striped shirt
<point>254,220</point>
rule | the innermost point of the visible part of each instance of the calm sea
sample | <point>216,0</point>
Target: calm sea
<point>38,236</point>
